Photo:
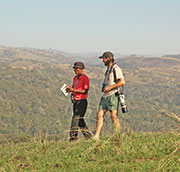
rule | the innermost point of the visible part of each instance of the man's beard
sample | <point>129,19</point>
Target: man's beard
<point>107,62</point>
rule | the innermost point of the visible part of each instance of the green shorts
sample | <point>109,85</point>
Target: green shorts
<point>109,103</point>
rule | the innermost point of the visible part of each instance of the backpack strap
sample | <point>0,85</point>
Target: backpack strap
<point>114,73</point>
<point>115,78</point>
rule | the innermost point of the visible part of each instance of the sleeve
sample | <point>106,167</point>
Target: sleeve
<point>86,83</point>
<point>119,73</point>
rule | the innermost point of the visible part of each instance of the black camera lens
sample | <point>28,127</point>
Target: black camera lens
<point>124,109</point>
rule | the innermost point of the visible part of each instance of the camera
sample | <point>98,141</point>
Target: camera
<point>103,87</point>
<point>123,103</point>
<point>121,97</point>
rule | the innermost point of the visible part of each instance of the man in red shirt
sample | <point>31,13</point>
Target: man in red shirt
<point>79,95</point>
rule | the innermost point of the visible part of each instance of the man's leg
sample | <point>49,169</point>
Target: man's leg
<point>115,120</point>
<point>84,129</point>
<point>99,123</point>
<point>74,123</point>
<point>82,124</point>
<point>74,128</point>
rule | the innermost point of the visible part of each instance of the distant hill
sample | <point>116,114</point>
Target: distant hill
<point>9,54</point>
<point>175,56</point>
<point>51,56</point>
<point>136,62</point>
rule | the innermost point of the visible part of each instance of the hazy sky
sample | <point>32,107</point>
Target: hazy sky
<point>123,26</point>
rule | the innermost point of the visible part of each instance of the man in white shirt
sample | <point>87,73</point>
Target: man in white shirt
<point>109,100</point>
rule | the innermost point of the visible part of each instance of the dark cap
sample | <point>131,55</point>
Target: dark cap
<point>107,54</point>
<point>79,65</point>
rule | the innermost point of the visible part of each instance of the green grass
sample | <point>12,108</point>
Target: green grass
<point>130,152</point>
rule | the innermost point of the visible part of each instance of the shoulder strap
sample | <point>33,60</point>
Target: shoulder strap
<point>114,73</point>
<point>115,79</point>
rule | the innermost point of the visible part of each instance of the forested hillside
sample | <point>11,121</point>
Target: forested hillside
<point>31,101</point>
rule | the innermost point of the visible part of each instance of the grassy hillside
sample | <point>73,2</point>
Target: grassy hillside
<point>31,101</point>
<point>129,152</point>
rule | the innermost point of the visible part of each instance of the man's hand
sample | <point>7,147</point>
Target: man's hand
<point>120,83</point>
<point>107,89</point>
<point>69,89</point>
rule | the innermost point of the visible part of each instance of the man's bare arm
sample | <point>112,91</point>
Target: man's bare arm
<point>120,83</point>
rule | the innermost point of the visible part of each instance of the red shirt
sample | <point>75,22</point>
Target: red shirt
<point>81,84</point>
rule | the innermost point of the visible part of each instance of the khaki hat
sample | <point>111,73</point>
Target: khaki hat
<point>79,65</point>
<point>107,54</point>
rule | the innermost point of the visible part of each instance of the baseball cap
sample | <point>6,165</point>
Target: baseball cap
<point>79,65</point>
<point>107,54</point>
